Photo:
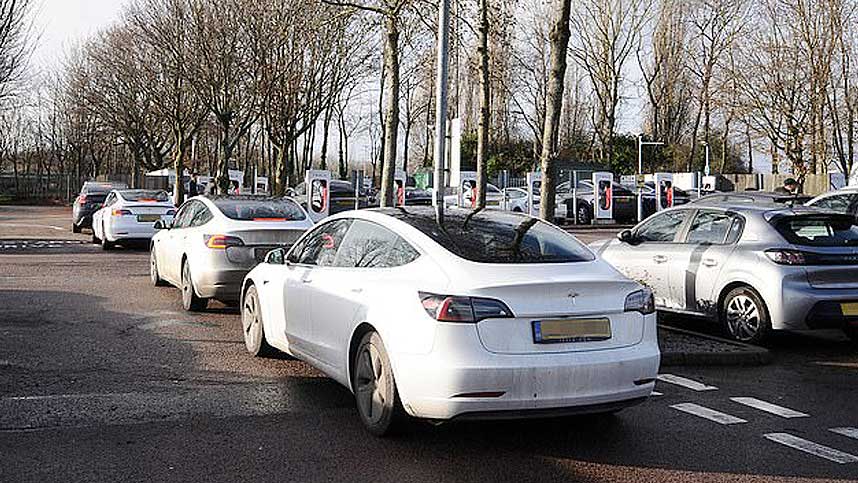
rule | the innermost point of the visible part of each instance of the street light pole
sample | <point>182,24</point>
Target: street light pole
<point>441,106</point>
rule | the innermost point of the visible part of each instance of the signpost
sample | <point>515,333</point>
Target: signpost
<point>534,181</point>
<point>641,144</point>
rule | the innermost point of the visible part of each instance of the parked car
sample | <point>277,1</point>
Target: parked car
<point>624,201</point>
<point>517,202</point>
<point>842,201</point>
<point>752,267</point>
<point>755,197</point>
<point>90,199</point>
<point>490,316</point>
<point>417,197</point>
<point>213,242</point>
<point>494,196</point>
<point>342,196</point>
<point>130,215</point>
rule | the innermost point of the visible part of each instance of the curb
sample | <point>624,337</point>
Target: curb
<point>748,356</point>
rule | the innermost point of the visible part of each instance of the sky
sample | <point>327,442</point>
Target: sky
<point>65,23</point>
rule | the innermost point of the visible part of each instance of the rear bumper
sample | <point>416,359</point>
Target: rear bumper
<point>460,379</point>
<point>804,307</point>
<point>220,283</point>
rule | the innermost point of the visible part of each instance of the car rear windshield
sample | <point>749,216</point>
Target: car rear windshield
<point>819,231</point>
<point>145,195</point>
<point>260,210</point>
<point>497,237</point>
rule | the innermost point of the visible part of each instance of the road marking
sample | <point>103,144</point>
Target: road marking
<point>686,383</point>
<point>848,432</point>
<point>810,447</point>
<point>769,407</point>
<point>706,413</point>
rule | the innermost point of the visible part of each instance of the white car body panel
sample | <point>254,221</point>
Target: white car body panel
<point>106,226</point>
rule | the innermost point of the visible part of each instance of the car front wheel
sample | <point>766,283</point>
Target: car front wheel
<point>745,316</point>
<point>375,388</point>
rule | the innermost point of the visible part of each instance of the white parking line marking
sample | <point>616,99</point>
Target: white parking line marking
<point>769,407</point>
<point>848,432</point>
<point>706,413</point>
<point>686,383</point>
<point>810,447</point>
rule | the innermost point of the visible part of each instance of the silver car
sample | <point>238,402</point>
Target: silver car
<point>753,268</point>
<point>844,200</point>
<point>213,243</point>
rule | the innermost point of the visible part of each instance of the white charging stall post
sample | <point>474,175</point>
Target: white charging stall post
<point>663,189</point>
<point>467,197</point>
<point>318,194</point>
<point>604,191</point>
<point>399,180</point>
<point>534,182</point>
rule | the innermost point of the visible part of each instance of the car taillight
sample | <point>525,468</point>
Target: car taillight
<point>222,242</point>
<point>641,301</point>
<point>448,308</point>
<point>120,212</point>
<point>81,199</point>
<point>787,257</point>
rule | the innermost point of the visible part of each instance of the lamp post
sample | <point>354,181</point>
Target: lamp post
<point>641,144</point>
<point>441,106</point>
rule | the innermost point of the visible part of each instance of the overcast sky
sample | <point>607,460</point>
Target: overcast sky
<point>64,23</point>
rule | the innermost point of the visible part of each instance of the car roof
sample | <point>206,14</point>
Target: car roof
<point>767,211</point>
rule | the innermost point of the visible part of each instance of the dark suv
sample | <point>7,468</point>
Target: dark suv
<point>89,201</point>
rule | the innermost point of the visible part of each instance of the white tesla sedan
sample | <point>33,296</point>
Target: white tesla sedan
<point>492,315</point>
<point>130,215</point>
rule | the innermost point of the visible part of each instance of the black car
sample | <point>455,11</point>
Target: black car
<point>417,197</point>
<point>90,199</point>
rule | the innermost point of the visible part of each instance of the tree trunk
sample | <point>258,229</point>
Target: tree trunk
<point>326,129</point>
<point>179,166</point>
<point>559,38</point>
<point>485,105</point>
<point>391,127</point>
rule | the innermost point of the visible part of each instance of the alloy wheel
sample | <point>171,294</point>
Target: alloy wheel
<point>371,384</point>
<point>250,323</point>
<point>743,317</point>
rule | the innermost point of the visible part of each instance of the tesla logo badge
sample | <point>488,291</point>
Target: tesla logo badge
<point>573,296</point>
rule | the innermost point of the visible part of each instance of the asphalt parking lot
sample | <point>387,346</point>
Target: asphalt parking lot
<point>104,378</point>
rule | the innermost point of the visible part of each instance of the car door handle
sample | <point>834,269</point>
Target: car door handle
<point>306,281</point>
<point>659,259</point>
<point>708,262</point>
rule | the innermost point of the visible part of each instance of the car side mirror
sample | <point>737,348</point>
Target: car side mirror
<point>276,257</point>
<point>162,225</point>
<point>626,236</point>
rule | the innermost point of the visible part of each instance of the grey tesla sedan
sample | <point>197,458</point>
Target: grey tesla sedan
<point>753,268</point>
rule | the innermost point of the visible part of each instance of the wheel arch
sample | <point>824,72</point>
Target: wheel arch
<point>357,334</point>
<point>722,296</point>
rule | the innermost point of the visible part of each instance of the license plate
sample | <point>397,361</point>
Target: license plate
<point>148,218</point>
<point>572,330</point>
<point>849,310</point>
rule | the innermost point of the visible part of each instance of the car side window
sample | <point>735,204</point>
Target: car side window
<point>185,215</point>
<point>662,228</point>
<point>840,203</point>
<point>202,215</point>
<point>320,247</point>
<point>110,199</point>
<point>369,245</point>
<point>710,227</point>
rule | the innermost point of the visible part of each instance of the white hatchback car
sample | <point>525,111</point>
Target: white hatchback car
<point>130,215</point>
<point>492,315</point>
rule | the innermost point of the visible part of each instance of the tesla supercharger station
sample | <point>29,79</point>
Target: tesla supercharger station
<point>318,194</point>
<point>604,191</point>
<point>399,180</point>
<point>534,182</point>
<point>663,189</point>
<point>467,189</point>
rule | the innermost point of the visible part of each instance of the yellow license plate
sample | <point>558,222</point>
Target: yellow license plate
<point>849,310</point>
<point>148,218</point>
<point>571,330</point>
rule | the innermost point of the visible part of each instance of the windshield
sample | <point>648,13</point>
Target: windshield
<point>819,231</point>
<point>260,210</point>
<point>497,237</point>
<point>144,195</point>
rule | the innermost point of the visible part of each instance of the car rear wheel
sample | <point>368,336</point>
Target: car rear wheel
<point>191,302</point>
<point>95,239</point>
<point>75,228</point>
<point>105,243</point>
<point>375,388</point>
<point>585,214</point>
<point>745,316</point>
<point>153,270</point>
<point>251,322</point>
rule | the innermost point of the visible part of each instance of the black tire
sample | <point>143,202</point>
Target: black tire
<point>154,274</point>
<point>376,397</point>
<point>851,332</point>
<point>252,326</point>
<point>106,244</point>
<point>75,228</point>
<point>191,302</point>
<point>744,316</point>
<point>585,214</point>
<point>95,240</point>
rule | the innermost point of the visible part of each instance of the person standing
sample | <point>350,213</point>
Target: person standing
<point>194,186</point>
